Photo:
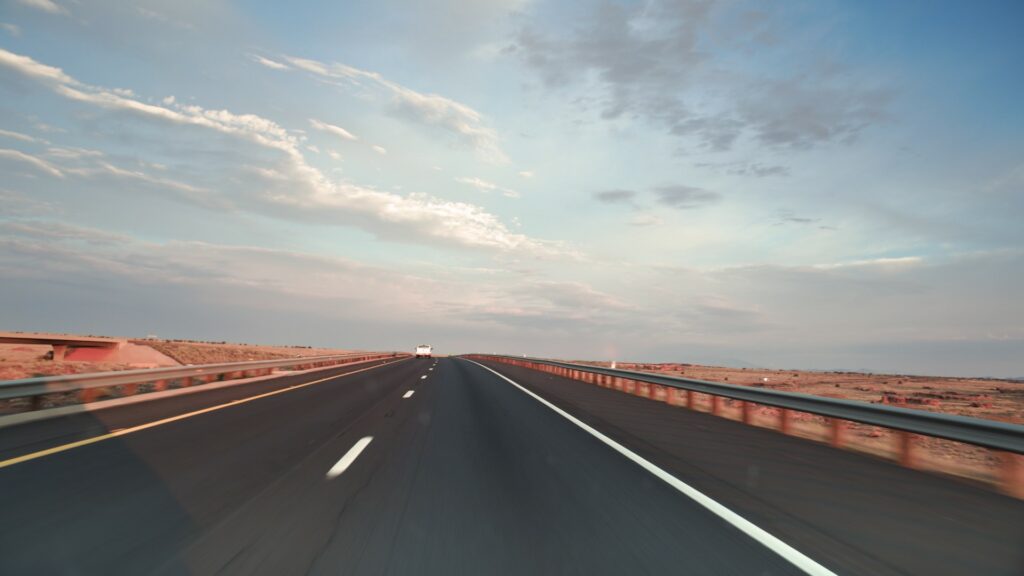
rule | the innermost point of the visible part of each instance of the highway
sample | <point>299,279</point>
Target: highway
<point>442,466</point>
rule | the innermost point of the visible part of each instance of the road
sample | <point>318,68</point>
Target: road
<point>444,467</point>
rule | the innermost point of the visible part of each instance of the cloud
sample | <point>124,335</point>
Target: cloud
<point>45,5</point>
<point>10,29</point>
<point>17,204</point>
<point>305,193</point>
<point>685,197</point>
<point>31,68</point>
<point>33,161</point>
<point>49,230</point>
<point>651,61</point>
<point>788,217</point>
<point>17,136</point>
<point>91,164</point>
<point>218,276</point>
<point>485,186</point>
<point>876,263</point>
<point>332,129</point>
<point>273,64</point>
<point>755,169</point>
<point>462,122</point>
<point>526,174</point>
<point>379,150</point>
<point>101,169</point>
<point>616,196</point>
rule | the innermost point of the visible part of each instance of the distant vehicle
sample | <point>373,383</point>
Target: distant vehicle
<point>424,351</point>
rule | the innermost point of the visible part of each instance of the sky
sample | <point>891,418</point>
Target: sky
<point>802,184</point>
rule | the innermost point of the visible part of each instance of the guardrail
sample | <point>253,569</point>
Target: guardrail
<point>1005,438</point>
<point>89,385</point>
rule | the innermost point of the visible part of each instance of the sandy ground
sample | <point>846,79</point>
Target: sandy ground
<point>976,397</point>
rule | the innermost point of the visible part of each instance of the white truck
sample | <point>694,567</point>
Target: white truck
<point>424,350</point>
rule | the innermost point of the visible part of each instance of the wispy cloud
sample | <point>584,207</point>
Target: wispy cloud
<point>53,230</point>
<point>45,5</point>
<point>463,123</point>
<point>308,193</point>
<point>274,64</point>
<point>332,129</point>
<point>685,197</point>
<point>17,204</point>
<point>755,169</point>
<point>485,186</point>
<point>10,29</point>
<point>33,161</point>
<point>617,196</point>
<point>18,136</point>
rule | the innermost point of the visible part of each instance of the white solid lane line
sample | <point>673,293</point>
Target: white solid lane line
<point>791,554</point>
<point>424,377</point>
<point>408,394</point>
<point>349,457</point>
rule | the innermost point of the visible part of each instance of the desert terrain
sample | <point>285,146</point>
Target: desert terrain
<point>29,360</point>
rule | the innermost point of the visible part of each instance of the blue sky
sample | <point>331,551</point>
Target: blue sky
<point>811,184</point>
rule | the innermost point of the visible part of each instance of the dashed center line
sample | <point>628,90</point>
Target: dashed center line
<point>349,457</point>
<point>408,394</point>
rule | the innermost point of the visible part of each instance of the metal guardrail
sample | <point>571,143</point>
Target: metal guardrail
<point>37,387</point>
<point>1006,439</point>
<point>987,433</point>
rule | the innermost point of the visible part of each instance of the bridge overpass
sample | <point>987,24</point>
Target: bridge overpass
<point>61,343</point>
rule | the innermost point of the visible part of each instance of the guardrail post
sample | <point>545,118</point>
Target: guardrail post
<point>159,385</point>
<point>905,448</point>
<point>186,381</point>
<point>1011,473</point>
<point>690,399</point>
<point>837,430</point>
<point>716,403</point>
<point>784,424</point>
<point>674,397</point>
<point>130,389</point>
<point>37,402</point>
<point>745,411</point>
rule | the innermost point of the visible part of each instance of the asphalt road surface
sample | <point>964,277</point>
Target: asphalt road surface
<point>443,467</point>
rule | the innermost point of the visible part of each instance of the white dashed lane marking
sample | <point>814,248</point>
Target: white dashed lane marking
<point>349,457</point>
